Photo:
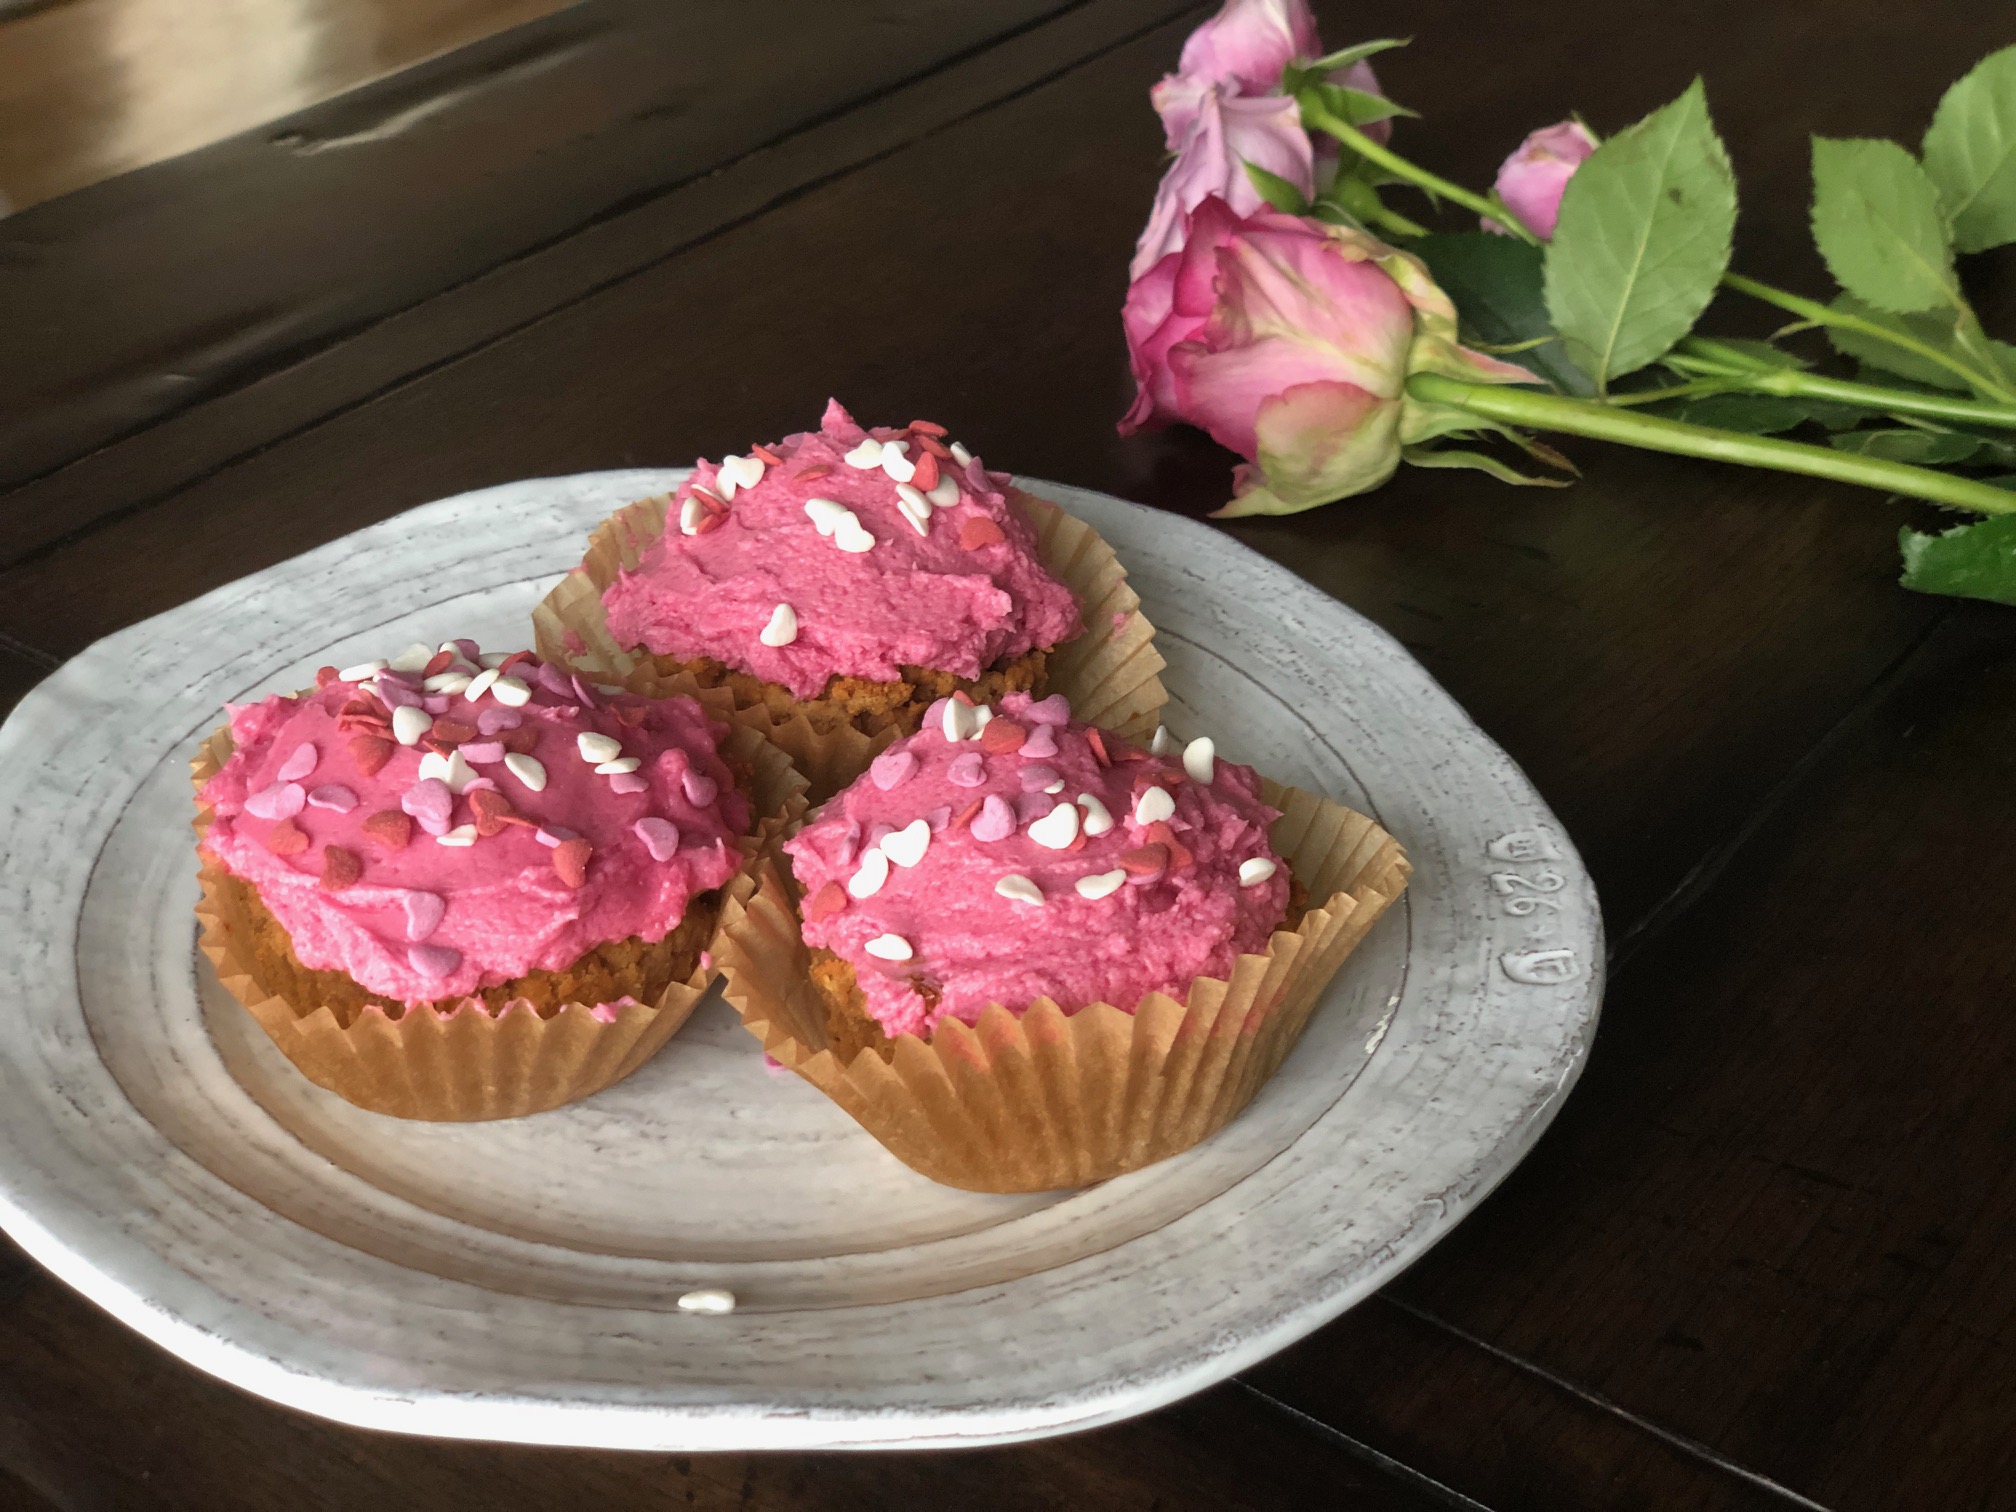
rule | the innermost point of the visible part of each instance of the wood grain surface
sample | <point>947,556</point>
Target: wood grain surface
<point>1762,1260</point>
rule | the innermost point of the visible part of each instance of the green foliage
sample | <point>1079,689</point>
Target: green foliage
<point>1358,52</point>
<point>1970,153</point>
<point>1643,239</point>
<point>1276,190</point>
<point>1925,448</point>
<point>1495,282</point>
<point>1968,561</point>
<point>1878,222</point>
<point>1933,330</point>
<point>1354,107</point>
<point>1759,414</point>
<point>1476,461</point>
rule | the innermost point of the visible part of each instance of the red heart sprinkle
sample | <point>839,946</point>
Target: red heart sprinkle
<point>630,714</point>
<point>976,531</point>
<point>932,446</point>
<point>570,860</point>
<point>504,667</point>
<point>523,740</point>
<point>286,839</point>
<point>1098,745</point>
<point>439,662</point>
<point>340,868</point>
<point>371,752</point>
<point>823,904</point>
<point>390,828</point>
<point>710,522</point>
<point>358,708</point>
<point>325,676</point>
<point>708,502</point>
<point>926,477</point>
<point>926,427</point>
<point>1002,736</point>
<point>1078,842</point>
<point>1159,833</point>
<point>764,454</point>
<point>454,731</point>
<point>1144,860</point>
<point>817,470</point>
<point>966,814</point>
<point>492,810</point>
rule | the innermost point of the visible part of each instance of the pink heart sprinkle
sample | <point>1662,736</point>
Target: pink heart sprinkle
<point>850,845</point>
<point>283,800</point>
<point>471,652</point>
<point>1041,744</point>
<point>967,771</point>
<point>428,799</point>
<point>395,695</point>
<point>581,692</point>
<point>482,752</point>
<point>433,961</point>
<point>995,821</point>
<point>300,764</point>
<point>629,782</point>
<point>423,914</point>
<point>1054,710</point>
<point>891,768</point>
<point>1037,778</point>
<point>934,717</point>
<point>495,719</point>
<point>1033,806</point>
<point>939,817</point>
<point>550,835</point>
<point>476,785</point>
<point>554,681</point>
<point>701,789</point>
<point>333,795</point>
<point>876,832</point>
<point>436,703</point>
<point>660,837</point>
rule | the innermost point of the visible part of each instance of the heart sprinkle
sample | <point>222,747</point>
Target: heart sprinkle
<point>898,466</point>
<point>361,671</point>
<point>1098,818</point>
<point>340,868</point>
<point>1096,744</point>
<point>1002,736</point>
<point>960,722</point>
<point>996,820</point>
<point>1054,710</point>
<point>493,811</point>
<point>1102,884</point>
<point>433,961</point>
<point>480,684</point>
<point>1154,804</point>
<point>452,731</point>
<point>483,752</point>
<point>828,515</point>
<point>927,474</point>
<point>823,904</point>
<point>286,839</point>
<point>1019,889</point>
<point>524,741</point>
<point>892,769</point>
<point>1037,778</point>
<point>700,789</point>
<point>390,828</point>
<point>619,766</point>
<point>371,752</point>
<point>333,795</point>
<point>873,873</point>
<point>1252,873</point>
<point>495,721</point>
<point>596,748</point>
<point>907,846</point>
<point>424,912</point>
<point>283,800</point>
<point>1056,829</point>
<point>460,836</point>
<point>629,782</point>
<point>967,771</point>
<point>977,532</point>
<point>960,455</point>
<point>914,507</point>
<point>783,627</point>
<point>510,692</point>
<point>409,723</point>
<point>1041,744</point>
<point>889,947</point>
<point>868,454</point>
<point>527,769</point>
<point>1161,744</point>
<point>660,837</point>
<point>300,764</point>
<point>570,860</point>
<point>1145,862</point>
<point>1200,759</point>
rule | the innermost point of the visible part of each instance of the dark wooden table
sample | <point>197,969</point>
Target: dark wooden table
<point>1767,1256</point>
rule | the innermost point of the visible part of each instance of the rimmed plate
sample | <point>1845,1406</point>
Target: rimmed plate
<point>518,1280</point>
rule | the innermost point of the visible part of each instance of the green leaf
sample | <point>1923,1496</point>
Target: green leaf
<point>1747,414</point>
<point>1495,282</point>
<point>1970,153</point>
<point>1643,239</point>
<point>1878,222</point>
<point>1276,190</point>
<point>1354,107</point>
<point>1968,561</point>
<point>1475,461</point>
<point>1344,57</point>
<point>1936,331</point>
<point>1764,352</point>
<point>1926,448</point>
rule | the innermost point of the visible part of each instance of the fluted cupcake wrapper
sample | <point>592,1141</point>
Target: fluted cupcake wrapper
<point>1045,1100</point>
<point>470,1064</point>
<point>1111,673</point>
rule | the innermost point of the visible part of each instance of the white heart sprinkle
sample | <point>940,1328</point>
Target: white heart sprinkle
<point>944,493</point>
<point>447,682</point>
<point>783,627</point>
<point>480,684</point>
<point>409,723</point>
<point>1098,818</point>
<point>1153,805</point>
<point>597,748</point>
<point>413,659</point>
<point>1161,743</point>
<point>894,463</point>
<point>960,721</point>
<point>362,670</point>
<point>492,660</point>
<point>510,692</point>
<point>452,769</point>
<point>1252,873</point>
<point>868,881</point>
<point>906,846</point>
<point>462,834</point>
<point>827,515</point>
<point>1055,787</point>
<point>851,536</point>
<point>1020,889</point>
<point>914,507</point>
<point>1056,829</point>
<point>889,947</point>
<point>713,1301</point>
<point>960,455</point>
<point>868,454</point>
<point>1102,884</point>
<point>738,472</point>
<point>691,513</point>
<point>1200,759</point>
<point>617,767</point>
<point>529,770</point>
<point>983,715</point>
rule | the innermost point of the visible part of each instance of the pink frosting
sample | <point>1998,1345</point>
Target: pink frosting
<point>1187,916</point>
<point>968,594</point>
<point>297,805</point>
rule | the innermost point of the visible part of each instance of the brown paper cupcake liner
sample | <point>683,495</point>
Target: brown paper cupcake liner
<point>469,1064</point>
<point>1049,1100</point>
<point>1111,673</point>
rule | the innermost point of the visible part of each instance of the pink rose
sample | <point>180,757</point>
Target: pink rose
<point>1225,133</point>
<point>1532,180</point>
<point>1243,49</point>
<point>1291,342</point>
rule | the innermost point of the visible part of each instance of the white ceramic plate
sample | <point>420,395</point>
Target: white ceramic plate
<point>518,1280</point>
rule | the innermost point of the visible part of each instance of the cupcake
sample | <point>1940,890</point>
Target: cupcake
<point>471,848</point>
<point>1030,953</point>
<point>845,580</point>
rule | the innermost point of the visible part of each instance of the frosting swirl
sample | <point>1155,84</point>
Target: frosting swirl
<point>1034,856</point>
<point>846,552</point>
<point>454,821</point>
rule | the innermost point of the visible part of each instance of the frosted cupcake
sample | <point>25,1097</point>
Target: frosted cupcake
<point>482,842</point>
<point>848,578</point>
<point>1035,954</point>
